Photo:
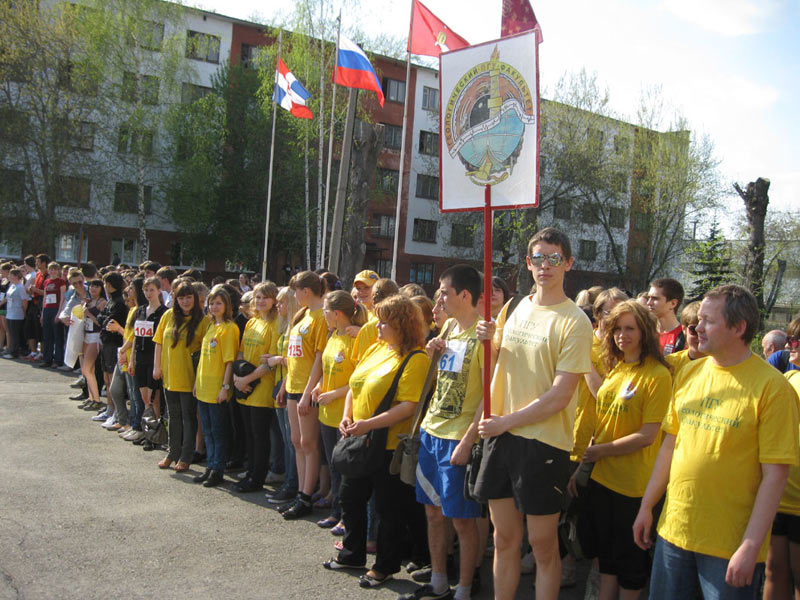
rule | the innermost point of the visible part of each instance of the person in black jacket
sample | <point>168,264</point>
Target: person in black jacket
<point>115,310</point>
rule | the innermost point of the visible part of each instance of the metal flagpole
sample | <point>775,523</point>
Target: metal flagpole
<point>271,159</point>
<point>402,156</point>
<point>487,297</point>
<point>330,146</point>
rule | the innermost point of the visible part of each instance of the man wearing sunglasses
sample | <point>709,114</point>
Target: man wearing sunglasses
<point>689,320</point>
<point>539,353</point>
<point>731,433</point>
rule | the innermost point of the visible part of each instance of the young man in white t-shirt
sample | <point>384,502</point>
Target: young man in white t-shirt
<point>539,354</point>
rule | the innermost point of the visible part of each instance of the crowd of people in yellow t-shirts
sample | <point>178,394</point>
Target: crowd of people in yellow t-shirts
<point>647,438</point>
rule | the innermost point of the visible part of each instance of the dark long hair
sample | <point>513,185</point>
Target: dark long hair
<point>192,320</point>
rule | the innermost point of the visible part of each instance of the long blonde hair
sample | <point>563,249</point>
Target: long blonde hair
<point>286,295</point>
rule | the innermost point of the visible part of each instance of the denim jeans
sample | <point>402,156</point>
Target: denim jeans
<point>676,571</point>
<point>52,337</point>
<point>330,435</point>
<point>137,404</point>
<point>214,418</point>
<point>117,394</point>
<point>276,448</point>
<point>288,450</point>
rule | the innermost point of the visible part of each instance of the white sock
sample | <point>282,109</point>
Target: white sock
<point>439,582</point>
<point>463,592</point>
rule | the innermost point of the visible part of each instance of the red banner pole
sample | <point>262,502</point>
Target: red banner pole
<point>487,297</point>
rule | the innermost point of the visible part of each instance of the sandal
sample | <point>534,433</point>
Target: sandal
<point>327,522</point>
<point>165,463</point>
<point>339,529</point>
<point>334,565</point>
<point>324,502</point>
<point>370,581</point>
<point>181,467</point>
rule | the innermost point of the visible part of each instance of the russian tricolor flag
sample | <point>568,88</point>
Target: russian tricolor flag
<point>354,70</point>
<point>290,93</point>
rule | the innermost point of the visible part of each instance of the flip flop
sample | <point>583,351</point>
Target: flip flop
<point>368,581</point>
<point>327,522</point>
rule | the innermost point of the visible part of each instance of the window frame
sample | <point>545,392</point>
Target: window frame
<point>424,181</point>
<point>204,41</point>
<point>425,230</point>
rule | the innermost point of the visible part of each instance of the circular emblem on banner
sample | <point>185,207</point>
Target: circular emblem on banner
<point>485,120</point>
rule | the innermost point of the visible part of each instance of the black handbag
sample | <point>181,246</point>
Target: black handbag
<point>357,456</point>
<point>473,466</point>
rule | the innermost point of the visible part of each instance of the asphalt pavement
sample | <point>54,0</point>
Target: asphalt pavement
<point>84,514</point>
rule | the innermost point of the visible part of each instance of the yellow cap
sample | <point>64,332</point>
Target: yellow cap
<point>367,277</point>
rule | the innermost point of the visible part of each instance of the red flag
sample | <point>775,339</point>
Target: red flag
<point>518,17</point>
<point>428,35</point>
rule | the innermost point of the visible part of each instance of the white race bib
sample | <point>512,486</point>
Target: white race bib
<point>143,328</point>
<point>295,349</point>
<point>51,299</point>
<point>453,357</point>
<point>2,296</point>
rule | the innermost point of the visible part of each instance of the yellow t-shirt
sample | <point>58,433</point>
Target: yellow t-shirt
<point>373,377</point>
<point>306,338</point>
<point>367,335</point>
<point>337,366</point>
<point>459,388</point>
<point>790,501</point>
<point>259,337</point>
<point>727,422</point>
<point>631,396</point>
<point>678,359</point>
<point>534,343</point>
<point>584,415</point>
<point>177,370</point>
<point>129,335</point>
<point>219,347</point>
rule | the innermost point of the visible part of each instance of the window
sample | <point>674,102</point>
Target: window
<point>429,143</point>
<point>79,135</point>
<point>394,90</point>
<point>130,88</point>
<point>13,125</point>
<point>424,231</point>
<point>191,92</point>
<point>202,46</point>
<point>76,78</point>
<point>638,255</point>
<point>12,188</point>
<point>10,249</point>
<point>71,192</point>
<point>250,56</point>
<point>126,198</point>
<point>383,267</point>
<point>640,221</point>
<point>179,259</point>
<point>392,136</point>
<point>388,180</point>
<point>587,250</point>
<point>589,214</point>
<point>128,250</point>
<point>622,144</point>
<point>427,187</point>
<point>562,208</point>
<point>462,235</point>
<point>616,218</point>
<point>150,36</point>
<point>596,138</point>
<point>135,142</point>
<point>383,226</point>
<point>67,247</point>
<point>421,273</point>
<point>430,98</point>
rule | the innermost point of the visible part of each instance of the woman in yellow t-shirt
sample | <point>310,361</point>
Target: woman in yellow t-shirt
<point>402,332</point>
<point>179,334</point>
<point>307,339</point>
<point>212,386</point>
<point>341,311</point>
<point>631,403</point>
<point>783,560</point>
<point>260,337</point>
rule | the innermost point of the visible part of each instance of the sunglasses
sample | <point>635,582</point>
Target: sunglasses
<point>793,341</point>
<point>554,260</point>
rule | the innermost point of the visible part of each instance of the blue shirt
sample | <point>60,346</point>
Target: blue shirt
<point>15,295</point>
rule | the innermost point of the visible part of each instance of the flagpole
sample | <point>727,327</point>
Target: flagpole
<point>402,152</point>
<point>271,160</point>
<point>330,145</point>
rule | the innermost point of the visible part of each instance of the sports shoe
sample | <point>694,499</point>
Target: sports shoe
<point>39,356</point>
<point>101,417</point>
<point>112,424</point>
<point>78,383</point>
<point>422,575</point>
<point>275,478</point>
<point>136,436</point>
<point>123,430</point>
<point>281,496</point>
<point>425,592</point>
<point>7,355</point>
<point>301,508</point>
<point>65,368</point>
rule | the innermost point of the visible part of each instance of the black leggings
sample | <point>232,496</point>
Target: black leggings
<point>182,408</point>
<point>256,421</point>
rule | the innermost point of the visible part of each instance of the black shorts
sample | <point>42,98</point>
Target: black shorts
<point>32,324</point>
<point>143,374</point>
<point>108,356</point>
<point>605,531</point>
<point>531,472</point>
<point>788,525</point>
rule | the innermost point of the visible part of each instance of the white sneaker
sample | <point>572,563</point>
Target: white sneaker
<point>101,417</point>
<point>128,434</point>
<point>137,435</point>
<point>39,356</point>
<point>528,563</point>
<point>65,368</point>
<point>110,422</point>
<point>7,355</point>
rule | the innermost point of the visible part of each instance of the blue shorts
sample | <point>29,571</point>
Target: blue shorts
<point>441,484</point>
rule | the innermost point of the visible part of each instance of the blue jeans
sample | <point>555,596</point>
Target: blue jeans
<point>137,404</point>
<point>290,483</point>
<point>676,571</point>
<point>214,420</point>
<point>52,337</point>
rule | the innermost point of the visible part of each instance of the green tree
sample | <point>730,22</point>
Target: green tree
<point>709,263</point>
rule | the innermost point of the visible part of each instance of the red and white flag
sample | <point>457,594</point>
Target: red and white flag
<point>428,35</point>
<point>518,17</point>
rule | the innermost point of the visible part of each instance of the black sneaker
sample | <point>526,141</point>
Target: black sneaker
<point>281,496</point>
<point>422,575</point>
<point>287,505</point>
<point>425,592</point>
<point>301,508</point>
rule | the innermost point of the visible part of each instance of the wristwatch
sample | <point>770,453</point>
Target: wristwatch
<point>226,386</point>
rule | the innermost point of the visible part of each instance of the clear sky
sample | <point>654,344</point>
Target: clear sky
<point>731,67</point>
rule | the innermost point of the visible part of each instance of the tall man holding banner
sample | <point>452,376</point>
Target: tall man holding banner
<point>539,354</point>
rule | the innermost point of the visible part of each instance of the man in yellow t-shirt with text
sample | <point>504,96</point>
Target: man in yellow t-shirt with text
<point>539,353</point>
<point>731,433</point>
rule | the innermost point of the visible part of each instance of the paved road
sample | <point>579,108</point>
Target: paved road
<point>86,515</point>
